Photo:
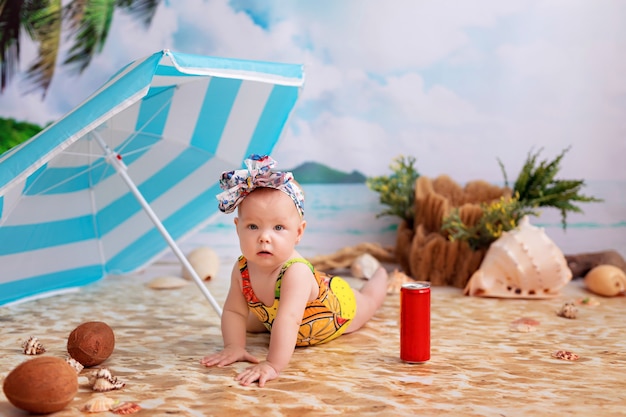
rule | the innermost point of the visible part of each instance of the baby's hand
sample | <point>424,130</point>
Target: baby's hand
<point>227,356</point>
<point>262,372</point>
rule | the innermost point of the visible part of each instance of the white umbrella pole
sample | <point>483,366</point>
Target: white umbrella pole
<point>120,167</point>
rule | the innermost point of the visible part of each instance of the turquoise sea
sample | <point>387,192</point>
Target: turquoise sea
<point>345,215</point>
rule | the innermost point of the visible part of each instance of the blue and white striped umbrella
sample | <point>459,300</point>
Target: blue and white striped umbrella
<point>90,194</point>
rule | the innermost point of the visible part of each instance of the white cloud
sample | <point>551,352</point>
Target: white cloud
<point>343,143</point>
<point>538,74</point>
<point>397,36</point>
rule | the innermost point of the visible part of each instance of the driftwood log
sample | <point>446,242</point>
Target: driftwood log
<point>580,264</point>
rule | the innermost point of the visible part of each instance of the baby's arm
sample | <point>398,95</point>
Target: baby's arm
<point>234,319</point>
<point>295,290</point>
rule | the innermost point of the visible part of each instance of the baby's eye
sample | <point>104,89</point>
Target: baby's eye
<point>253,226</point>
<point>278,227</point>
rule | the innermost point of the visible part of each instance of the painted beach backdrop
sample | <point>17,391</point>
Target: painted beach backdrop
<point>342,215</point>
<point>455,84</point>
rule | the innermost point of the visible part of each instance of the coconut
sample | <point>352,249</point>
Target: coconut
<point>91,343</point>
<point>41,385</point>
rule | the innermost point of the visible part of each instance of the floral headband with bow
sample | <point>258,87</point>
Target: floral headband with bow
<point>239,183</point>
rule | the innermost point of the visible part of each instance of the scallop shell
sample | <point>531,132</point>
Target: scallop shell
<point>102,381</point>
<point>204,261</point>
<point>78,367</point>
<point>33,346</point>
<point>126,408</point>
<point>364,266</point>
<point>522,263</point>
<point>167,282</point>
<point>98,404</point>
<point>607,280</point>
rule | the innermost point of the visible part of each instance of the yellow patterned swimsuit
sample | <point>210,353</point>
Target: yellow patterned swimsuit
<point>324,319</point>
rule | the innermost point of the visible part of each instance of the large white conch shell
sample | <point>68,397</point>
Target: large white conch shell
<point>522,263</point>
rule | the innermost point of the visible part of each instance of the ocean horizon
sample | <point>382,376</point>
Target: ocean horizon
<point>340,215</point>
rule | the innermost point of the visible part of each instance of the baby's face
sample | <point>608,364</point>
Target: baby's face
<point>269,227</point>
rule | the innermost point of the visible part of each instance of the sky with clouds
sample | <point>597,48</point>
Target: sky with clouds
<point>459,85</point>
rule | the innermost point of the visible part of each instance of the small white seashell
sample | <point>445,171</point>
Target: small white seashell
<point>98,404</point>
<point>103,381</point>
<point>364,266</point>
<point>33,347</point>
<point>167,282</point>
<point>78,367</point>
<point>522,263</point>
<point>204,261</point>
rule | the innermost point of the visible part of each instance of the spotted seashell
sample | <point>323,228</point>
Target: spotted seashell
<point>33,347</point>
<point>98,404</point>
<point>569,311</point>
<point>522,263</point>
<point>78,367</point>
<point>103,381</point>
<point>565,355</point>
<point>126,408</point>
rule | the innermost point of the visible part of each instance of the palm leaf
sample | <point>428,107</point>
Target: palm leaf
<point>90,22</point>
<point>144,10</point>
<point>44,26</point>
<point>10,25</point>
<point>536,186</point>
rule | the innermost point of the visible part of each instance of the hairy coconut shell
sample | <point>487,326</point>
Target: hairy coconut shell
<point>41,385</point>
<point>91,343</point>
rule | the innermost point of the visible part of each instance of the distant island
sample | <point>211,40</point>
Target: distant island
<point>13,132</point>
<point>316,173</point>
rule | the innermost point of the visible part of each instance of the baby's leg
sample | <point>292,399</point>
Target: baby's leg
<point>254,325</point>
<point>369,299</point>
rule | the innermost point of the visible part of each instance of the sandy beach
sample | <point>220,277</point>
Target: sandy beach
<point>479,367</point>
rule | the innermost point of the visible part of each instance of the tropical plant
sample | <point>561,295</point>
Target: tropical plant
<point>46,22</point>
<point>497,217</point>
<point>397,191</point>
<point>535,187</point>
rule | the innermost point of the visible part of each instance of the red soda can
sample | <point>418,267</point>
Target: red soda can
<point>415,322</point>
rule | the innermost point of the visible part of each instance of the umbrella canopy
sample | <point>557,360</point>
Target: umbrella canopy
<point>105,189</point>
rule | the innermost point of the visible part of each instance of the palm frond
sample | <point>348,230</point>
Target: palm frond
<point>143,10</point>
<point>90,22</point>
<point>45,28</point>
<point>10,25</point>
<point>537,186</point>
